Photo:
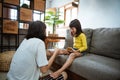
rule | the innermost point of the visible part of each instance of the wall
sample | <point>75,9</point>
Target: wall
<point>96,13</point>
<point>56,3</point>
<point>99,13</point>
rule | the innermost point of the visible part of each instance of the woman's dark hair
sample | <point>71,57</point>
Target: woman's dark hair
<point>37,29</point>
<point>76,23</point>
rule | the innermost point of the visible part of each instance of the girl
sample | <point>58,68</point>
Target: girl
<point>79,45</point>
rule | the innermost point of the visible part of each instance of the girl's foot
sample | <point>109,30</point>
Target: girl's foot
<point>55,74</point>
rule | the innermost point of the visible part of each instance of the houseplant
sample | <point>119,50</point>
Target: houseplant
<point>52,19</point>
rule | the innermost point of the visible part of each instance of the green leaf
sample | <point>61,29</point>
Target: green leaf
<point>52,18</point>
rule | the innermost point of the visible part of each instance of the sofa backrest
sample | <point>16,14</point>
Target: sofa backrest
<point>88,32</point>
<point>106,41</point>
<point>101,41</point>
<point>68,39</point>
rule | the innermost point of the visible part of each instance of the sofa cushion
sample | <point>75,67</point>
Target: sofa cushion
<point>106,41</point>
<point>93,67</point>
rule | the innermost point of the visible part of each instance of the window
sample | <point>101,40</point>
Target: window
<point>10,12</point>
<point>61,10</point>
<point>37,15</point>
<point>13,14</point>
<point>25,2</point>
<point>68,13</point>
<point>23,25</point>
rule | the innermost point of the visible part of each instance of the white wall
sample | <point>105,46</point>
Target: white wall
<point>59,3</point>
<point>95,13</point>
<point>99,13</point>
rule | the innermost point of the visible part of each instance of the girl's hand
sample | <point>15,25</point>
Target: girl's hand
<point>75,51</point>
<point>65,52</point>
<point>70,49</point>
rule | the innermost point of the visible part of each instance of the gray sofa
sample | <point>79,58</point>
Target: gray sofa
<point>102,59</point>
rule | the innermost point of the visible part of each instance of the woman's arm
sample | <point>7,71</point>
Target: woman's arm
<point>44,69</point>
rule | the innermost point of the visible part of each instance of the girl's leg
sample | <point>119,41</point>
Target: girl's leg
<point>61,52</point>
<point>69,61</point>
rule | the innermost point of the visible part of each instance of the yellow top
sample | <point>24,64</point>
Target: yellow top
<point>80,42</point>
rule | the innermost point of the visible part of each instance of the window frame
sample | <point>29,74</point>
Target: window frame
<point>70,6</point>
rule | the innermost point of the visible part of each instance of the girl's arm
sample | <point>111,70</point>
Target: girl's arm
<point>83,43</point>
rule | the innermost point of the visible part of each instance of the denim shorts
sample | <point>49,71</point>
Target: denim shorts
<point>82,53</point>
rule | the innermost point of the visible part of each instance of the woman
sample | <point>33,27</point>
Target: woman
<point>30,60</point>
